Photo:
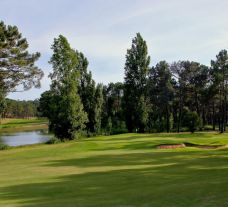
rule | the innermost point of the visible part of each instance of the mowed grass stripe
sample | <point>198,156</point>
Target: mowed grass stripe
<point>121,170</point>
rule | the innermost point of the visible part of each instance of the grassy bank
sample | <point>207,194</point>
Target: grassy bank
<point>23,124</point>
<point>122,170</point>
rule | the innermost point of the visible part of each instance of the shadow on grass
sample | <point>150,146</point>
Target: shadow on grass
<point>188,179</point>
<point>132,136</point>
<point>152,158</point>
<point>150,141</point>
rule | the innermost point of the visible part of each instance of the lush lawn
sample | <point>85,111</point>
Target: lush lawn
<point>122,171</point>
<point>22,124</point>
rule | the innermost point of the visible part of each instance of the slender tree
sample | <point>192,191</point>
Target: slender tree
<point>68,118</point>
<point>113,108</point>
<point>136,72</point>
<point>219,70</point>
<point>98,103</point>
<point>87,90</point>
<point>161,93</point>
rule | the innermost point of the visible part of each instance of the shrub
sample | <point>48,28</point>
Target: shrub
<point>3,146</point>
<point>191,120</point>
<point>53,140</point>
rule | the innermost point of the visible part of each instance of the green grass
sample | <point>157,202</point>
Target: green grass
<point>122,171</point>
<point>22,124</point>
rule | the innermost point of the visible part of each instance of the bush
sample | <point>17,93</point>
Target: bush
<point>191,120</point>
<point>119,131</point>
<point>53,140</point>
<point>3,146</point>
<point>91,134</point>
<point>208,127</point>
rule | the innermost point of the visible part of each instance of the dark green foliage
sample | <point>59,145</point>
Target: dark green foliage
<point>152,99</point>
<point>53,140</point>
<point>136,72</point>
<point>2,104</point>
<point>87,88</point>
<point>76,84</point>
<point>3,146</point>
<point>161,93</point>
<point>20,109</point>
<point>113,120</point>
<point>67,118</point>
<point>219,72</point>
<point>182,96</point>
<point>191,120</point>
<point>45,101</point>
<point>98,103</point>
<point>16,63</point>
<point>191,89</point>
<point>91,96</point>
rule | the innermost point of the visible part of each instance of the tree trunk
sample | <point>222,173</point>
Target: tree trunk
<point>213,116</point>
<point>167,119</point>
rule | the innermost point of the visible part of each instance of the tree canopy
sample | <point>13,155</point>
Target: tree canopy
<point>17,65</point>
<point>136,72</point>
<point>180,96</point>
<point>67,118</point>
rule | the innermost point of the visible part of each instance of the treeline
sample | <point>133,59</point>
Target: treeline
<point>181,96</point>
<point>19,109</point>
<point>171,97</point>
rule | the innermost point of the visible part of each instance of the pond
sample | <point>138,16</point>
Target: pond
<point>25,137</point>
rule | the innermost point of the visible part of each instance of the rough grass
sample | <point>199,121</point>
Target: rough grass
<point>22,124</point>
<point>122,171</point>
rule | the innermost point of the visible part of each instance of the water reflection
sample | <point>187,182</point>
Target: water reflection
<point>25,138</point>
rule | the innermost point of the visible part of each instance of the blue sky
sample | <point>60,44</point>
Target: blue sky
<point>103,30</point>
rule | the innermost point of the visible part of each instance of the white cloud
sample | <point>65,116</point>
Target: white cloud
<point>103,29</point>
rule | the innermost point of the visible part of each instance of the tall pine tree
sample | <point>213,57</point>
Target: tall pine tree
<point>219,70</point>
<point>161,94</point>
<point>68,118</point>
<point>17,65</point>
<point>136,72</point>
